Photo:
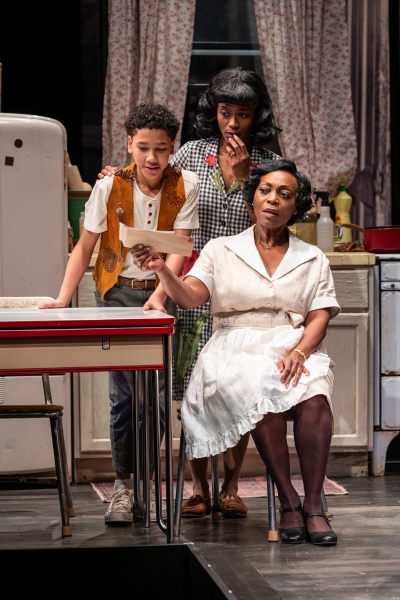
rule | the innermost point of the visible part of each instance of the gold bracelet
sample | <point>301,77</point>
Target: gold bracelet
<point>300,352</point>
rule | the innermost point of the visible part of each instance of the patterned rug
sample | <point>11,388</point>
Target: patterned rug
<point>249,487</point>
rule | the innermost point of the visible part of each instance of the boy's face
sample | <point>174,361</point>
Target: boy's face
<point>150,149</point>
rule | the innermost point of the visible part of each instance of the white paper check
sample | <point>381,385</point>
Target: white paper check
<point>160,241</point>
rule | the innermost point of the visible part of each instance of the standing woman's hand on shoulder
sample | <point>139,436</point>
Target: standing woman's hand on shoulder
<point>238,158</point>
<point>107,172</point>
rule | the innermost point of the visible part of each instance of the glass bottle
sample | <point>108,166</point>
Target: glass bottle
<point>306,228</point>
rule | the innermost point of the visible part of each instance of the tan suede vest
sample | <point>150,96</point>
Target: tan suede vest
<point>112,254</point>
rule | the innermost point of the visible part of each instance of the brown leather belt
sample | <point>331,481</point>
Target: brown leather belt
<point>146,284</point>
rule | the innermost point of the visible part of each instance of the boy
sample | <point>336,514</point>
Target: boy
<point>148,194</point>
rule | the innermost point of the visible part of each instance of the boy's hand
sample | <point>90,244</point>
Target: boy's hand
<point>154,304</point>
<point>146,259</point>
<point>55,304</point>
<point>107,172</point>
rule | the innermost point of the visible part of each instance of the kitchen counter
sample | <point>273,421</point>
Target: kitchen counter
<point>351,259</point>
<point>336,259</point>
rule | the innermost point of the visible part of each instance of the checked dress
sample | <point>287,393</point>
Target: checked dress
<point>221,213</point>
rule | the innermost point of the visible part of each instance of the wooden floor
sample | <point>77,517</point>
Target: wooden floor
<point>365,564</point>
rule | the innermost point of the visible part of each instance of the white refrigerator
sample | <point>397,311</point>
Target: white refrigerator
<point>33,256</point>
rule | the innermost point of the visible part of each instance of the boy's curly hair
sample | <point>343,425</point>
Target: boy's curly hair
<point>152,116</point>
<point>303,196</point>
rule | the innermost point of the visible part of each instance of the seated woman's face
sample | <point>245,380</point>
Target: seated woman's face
<point>275,199</point>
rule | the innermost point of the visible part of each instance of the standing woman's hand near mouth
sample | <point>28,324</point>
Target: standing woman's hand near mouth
<point>238,159</point>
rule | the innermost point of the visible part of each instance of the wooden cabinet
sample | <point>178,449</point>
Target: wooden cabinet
<point>91,409</point>
<point>349,344</point>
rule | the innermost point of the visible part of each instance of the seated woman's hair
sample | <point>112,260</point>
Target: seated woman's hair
<point>303,196</point>
<point>237,86</point>
<point>152,116</point>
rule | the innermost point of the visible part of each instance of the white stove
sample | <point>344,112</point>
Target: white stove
<point>386,357</point>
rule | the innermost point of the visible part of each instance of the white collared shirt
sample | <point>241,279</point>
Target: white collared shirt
<point>146,212</point>
<point>232,270</point>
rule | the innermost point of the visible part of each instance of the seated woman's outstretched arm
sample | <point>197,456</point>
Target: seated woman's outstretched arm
<point>186,294</point>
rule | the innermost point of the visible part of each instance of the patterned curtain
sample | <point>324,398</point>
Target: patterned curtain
<point>368,24</point>
<point>305,55</point>
<point>149,51</point>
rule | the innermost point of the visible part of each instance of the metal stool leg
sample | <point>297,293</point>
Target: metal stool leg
<point>55,436</point>
<point>64,464</point>
<point>324,505</point>
<point>216,506</point>
<point>180,485</point>
<point>273,532</point>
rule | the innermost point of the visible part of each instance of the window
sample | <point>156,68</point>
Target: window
<point>225,36</point>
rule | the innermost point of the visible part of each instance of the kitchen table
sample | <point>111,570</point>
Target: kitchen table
<point>95,339</point>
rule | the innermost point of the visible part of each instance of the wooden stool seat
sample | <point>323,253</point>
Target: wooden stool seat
<point>31,408</point>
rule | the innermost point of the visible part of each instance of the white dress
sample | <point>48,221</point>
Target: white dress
<point>236,381</point>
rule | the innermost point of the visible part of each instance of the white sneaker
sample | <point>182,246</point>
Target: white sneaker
<point>120,509</point>
<point>153,515</point>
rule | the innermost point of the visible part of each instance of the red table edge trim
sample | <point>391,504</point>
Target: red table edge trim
<point>122,331</point>
<point>91,323</point>
<point>93,369</point>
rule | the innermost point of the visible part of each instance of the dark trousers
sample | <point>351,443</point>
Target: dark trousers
<point>121,388</point>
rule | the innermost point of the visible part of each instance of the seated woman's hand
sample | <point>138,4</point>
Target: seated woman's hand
<point>107,172</point>
<point>292,367</point>
<point>146,259</point>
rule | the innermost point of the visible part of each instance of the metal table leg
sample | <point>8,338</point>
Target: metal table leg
<point>146,451</point>
<point>179,485</point>
<point>157,461</point>
<point>136,445</point>
<point>168,438</point>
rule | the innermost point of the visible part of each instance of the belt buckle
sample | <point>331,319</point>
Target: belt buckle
<point>133,284</point>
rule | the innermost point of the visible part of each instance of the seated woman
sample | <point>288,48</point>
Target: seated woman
<point>272,295</point>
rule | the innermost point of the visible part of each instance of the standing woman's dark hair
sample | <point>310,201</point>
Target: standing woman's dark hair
<point>237,86</point>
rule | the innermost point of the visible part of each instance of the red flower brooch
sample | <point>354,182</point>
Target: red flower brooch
<point>211,160</point>
<point>252,165</point>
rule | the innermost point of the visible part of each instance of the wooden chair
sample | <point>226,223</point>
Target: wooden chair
<point>50,411</point>
<point>216,510</point>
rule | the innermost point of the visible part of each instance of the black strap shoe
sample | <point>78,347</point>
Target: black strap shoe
<point>294,535</point>
<point>320,538</point>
